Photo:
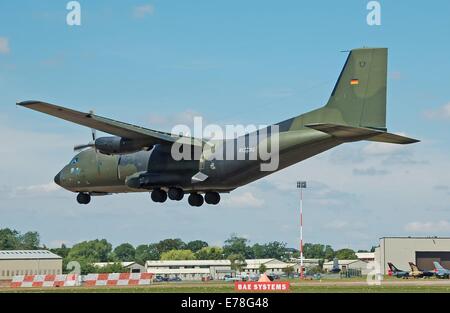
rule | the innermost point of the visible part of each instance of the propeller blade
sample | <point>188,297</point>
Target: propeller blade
<point>93,131</point>
<point>83,146</point>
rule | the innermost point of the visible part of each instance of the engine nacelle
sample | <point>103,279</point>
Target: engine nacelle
<point>118,145</point>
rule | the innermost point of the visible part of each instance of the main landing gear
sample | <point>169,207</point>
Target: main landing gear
<point>177,194</point>
<point>211,197</point>
<point>83,198</point>
<point>159,195</point>
<point>195,199</point>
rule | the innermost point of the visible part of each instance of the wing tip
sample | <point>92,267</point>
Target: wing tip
<point>412,140</point>
<point>27,102</point>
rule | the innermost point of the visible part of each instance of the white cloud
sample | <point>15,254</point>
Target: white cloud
<point>144,10</point>
<point>245,199</point>
<point>34,190</point>
<point>428,227</point>
<point>383,149</point>
<point>18,143</point>
<point>440,113</point>
<point>169,122</point>
<point>50,187</point>
<point>4,45</point>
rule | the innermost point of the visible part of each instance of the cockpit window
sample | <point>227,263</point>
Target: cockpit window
<point>74,161</point>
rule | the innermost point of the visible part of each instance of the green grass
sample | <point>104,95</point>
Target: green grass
<point>227,288</point>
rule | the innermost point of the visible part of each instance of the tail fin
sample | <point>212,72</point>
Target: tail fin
<point>438,266</point>
<point>392,267</point>
<point>356,109</point>
<point>359,95</point>
<point>414,267</point>
<point>358,98</point>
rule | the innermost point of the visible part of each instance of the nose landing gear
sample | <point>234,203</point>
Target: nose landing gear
<point>83,198</point>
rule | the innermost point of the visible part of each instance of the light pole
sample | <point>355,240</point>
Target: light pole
<point>301,185</point>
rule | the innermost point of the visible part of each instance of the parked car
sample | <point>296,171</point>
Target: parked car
<point>176,278</point>
<point>273,276</point>
<point>233,278</point>
<point>254,277</point>
<point>159,278</point>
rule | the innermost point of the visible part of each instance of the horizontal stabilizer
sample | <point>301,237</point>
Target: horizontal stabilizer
<point>393,138</point>
<point>350,133</point>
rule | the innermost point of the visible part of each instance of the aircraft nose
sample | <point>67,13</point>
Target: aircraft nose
<point>57,179</point>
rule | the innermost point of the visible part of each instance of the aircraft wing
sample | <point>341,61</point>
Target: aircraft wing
<point>107,125</point>
<point>351,133</point>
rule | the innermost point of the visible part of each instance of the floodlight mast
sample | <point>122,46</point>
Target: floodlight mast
<point>301,185</point>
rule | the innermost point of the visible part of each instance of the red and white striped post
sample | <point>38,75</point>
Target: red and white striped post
<point>301,185</point>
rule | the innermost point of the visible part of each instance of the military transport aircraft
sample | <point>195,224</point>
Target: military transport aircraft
<point>138,159</point>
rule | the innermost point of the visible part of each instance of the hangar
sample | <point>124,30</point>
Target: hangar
<point>27,262</point>
<point>422,251</point>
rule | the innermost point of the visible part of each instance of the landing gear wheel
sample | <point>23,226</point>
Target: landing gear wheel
<point>159,195</point>
<point>212,198</point>
<point>83,198</point>
<point>195,199</point>
<point>176,194</point>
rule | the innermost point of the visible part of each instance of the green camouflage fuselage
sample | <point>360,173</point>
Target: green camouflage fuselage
<point>91,171</point>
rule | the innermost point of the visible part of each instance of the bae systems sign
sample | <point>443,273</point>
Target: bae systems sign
<point>261,286</point>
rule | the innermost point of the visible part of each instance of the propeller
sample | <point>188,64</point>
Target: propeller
<point>90,144</point>
<point>77,148</point>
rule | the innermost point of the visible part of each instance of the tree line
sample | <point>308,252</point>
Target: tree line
<point>235,248</point>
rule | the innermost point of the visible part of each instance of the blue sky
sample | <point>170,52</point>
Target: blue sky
<point>158,63</point>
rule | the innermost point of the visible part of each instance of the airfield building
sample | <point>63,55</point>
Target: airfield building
<point>215,269</point>
<point>345,265</point>
<point>422,251</point>
<point>365,256</point>
<point>190,269</point>
<point>132,267</point>
<point>27,262</point>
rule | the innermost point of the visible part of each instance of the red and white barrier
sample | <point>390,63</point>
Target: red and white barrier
<point>70,280</point>
<point>118,279</point>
